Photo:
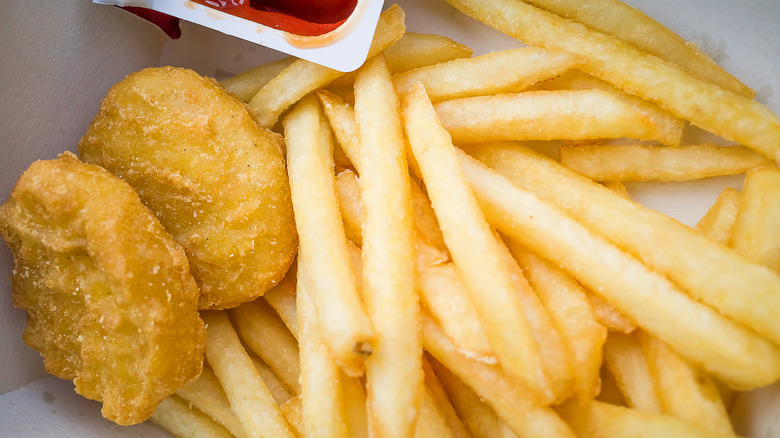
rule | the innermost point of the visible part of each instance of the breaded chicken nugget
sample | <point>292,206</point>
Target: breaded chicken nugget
<point>108,293</point>
<point>213,177</point>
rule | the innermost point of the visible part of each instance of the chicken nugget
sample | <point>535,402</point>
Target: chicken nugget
<point>109,297</point>
<point>213,177</point>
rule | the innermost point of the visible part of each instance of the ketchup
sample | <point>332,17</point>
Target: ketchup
<point>300,17</point>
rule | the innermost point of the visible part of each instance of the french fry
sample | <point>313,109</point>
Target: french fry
<point>303,77</point>
<point>176,417</point>
<point>568,307</point>
<point>443,403</point>
<point>756,230</point>
<point>355,407</point>
<point>510,400</point>
<point>597,419</point>
<point>543,115</point>
<point>249,398</point>
<point>494,73</point>
<point>629,24</point>
<point>659,163</point>
<point>617,188</point>
<point>415,50</point>
<point>704,104</point>
<point>206,394</point>
<point>693,264</point>
<point>262,330</point>
<point>394,372</point>
<point>275,386</point>
<point>245,85</point>
<point>610,393</point>
<point>683,391</point>
<point>323,246</point>
<point>322,410</point>
<point>342,121</point>
<point>628,366</point>
<point>348,193</point>
<point>671,127</point>
<point>478,417</point>
<point>608,316</point>
<point>292,411</point>
<point>724,348</point>
<point>717,222</point>
<point>476,253</point>
<point>425,218</point>
<point>430,422</point>
<point>282,298</point>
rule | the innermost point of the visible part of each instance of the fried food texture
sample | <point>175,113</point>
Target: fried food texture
<point>110,300</point>
<point>213,177</point>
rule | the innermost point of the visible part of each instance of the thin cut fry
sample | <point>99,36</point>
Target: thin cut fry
<point>275,386</point>
<point>706,105</point>
<point>546,115</point>
<point>728,350</point>
<point>323,246</point>
<point>303,77</point>
<point>476,253</point>
<point>342,121</point>
<point>415,50</point>
<point>684,391</point>
<point>719,219</point>
<point>510,400</point>
<point>263,331</point>
<point>625,361</point>
<point>249,398</point>
<point>394,373</point>
<point>322,410</point>
<point>206,394</point>
<point>443,403</point>
<point>430,422</point>
<point>245,85</point>
<point>632,26</point>
<point>659,163</point>
<point>610,393</point>
<point>282,298</point>
<point>618,188</point>
<point>756,230</point>
<point>695,261</point>
<point>494,73</point>
<point>348,193</point>
<point>354,407</point>
<point>176,417</point>
<point>293,415</point>
<point>608,316</point>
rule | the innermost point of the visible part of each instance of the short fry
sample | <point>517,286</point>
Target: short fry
<point>206,394</point>
<point>282,298</point>
<point>719,219</point>
<point>176,417</point>
<point>756,230</point>
<point>443,403</point>
<point>245,85</point>
<point>625,360</point>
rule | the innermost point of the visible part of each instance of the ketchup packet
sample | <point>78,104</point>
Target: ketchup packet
<point>333,33</point>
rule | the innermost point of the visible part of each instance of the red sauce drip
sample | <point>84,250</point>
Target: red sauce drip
<point>300,17</point>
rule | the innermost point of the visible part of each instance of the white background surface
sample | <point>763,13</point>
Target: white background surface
<point>59,58</point>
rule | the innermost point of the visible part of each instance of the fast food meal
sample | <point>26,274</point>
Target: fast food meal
<point>450,279</point>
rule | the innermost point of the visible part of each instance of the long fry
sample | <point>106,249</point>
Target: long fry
<point>206,394</point>
<point>245,85</point>
<point>394,373</point>
<point>282,298</point>
<point>346,328</point>
<point>476,253</point>
<point>176,417</point>
<point>694,264</point>
<point>442,401</point>
<point>706,105</point>
<point>728,350</point>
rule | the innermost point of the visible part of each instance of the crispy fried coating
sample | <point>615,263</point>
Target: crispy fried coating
<point>214,178</point>
<point>108,292</point>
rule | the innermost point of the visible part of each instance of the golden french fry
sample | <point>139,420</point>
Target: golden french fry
<point>322,410</point>
<point>494,73</point>
<point>282,298</point>
<point>303,77</point>
<point>629,24</point>
<point>704,104</point>
<point>323,246</point>
<point>608,316</point>
<point>442,402</point>
<point>430,422</point>
<point>245,85</point>
<point>425,218</point>
<point>546,115</point>
<point>510,400</point>
<point>623,356</point>
<point>415,50</point>
<point>348,193</point>
<point>355,407</point>
<point>708,271</point>
<point>756,230</point>
<point>394,372</point>
<point>717,222</point>
<point>174,415</point>
<point>275,386</point>
<point>610,392</point>
<point>683,391</point>
<point>342,121</point>
<point>671,127</point>
<point>731,352</point>
<point>476,253</point>
<point>478,417</point>
<point>262,330</point>
<point>292,411</point>
<point>617,188</point>
<point>597,419</point>
<point>206,394</point>
<point>249,398</point>
<point>659,163</point>
<point>571,313</point>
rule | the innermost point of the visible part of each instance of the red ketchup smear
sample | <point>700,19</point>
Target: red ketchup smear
<point>300,17</point>
<point>169,24</point>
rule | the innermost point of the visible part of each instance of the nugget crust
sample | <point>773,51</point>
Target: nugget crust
<point>214,178</point>
<point>108,292</point>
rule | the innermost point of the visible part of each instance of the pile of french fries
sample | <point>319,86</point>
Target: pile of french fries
<point>487,290</point>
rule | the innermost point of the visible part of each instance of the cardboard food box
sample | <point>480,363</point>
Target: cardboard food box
<point>60,58</point>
